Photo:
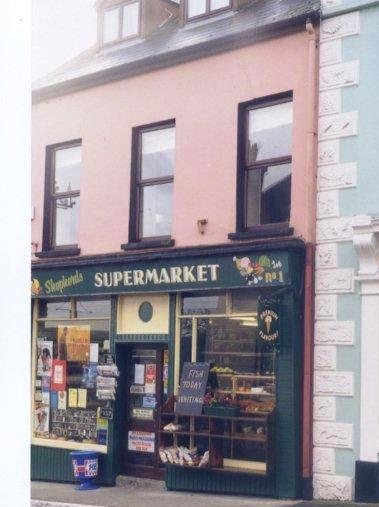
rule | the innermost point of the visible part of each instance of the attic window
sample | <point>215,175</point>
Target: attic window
<point>200,8</point>
<point>121,22</point>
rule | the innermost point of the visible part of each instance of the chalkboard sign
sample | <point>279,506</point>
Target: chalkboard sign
<point>192,388</point>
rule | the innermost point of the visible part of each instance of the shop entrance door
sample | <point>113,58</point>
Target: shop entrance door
<point>146,389</point>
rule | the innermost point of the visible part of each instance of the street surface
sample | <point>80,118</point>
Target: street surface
<point>132,492</point>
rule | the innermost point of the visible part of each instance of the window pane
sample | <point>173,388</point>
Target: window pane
<point>244,301</point>
<point>54,308</point>
<point>66,220</point>
<point>68,169</point>
<point>196,7</point>
<point>156,210</point>
<point>276,194</point>
<point>253,197</point>
<point>219,4</point>
<point>111,25</point>
<point>158,153</point>
<point>270,132</point>
<point>203,303</point>
<point>185,343</point>
<point>93,308</point>
<point>269,195</point>
<point>130,20</point>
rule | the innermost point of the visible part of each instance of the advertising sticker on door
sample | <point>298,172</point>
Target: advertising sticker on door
<point>141,441</point>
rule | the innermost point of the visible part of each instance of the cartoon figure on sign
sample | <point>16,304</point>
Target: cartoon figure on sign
<point>250,270</point>
<point>262,270</point>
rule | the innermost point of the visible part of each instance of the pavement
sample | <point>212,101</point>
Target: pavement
<point>133,492</point>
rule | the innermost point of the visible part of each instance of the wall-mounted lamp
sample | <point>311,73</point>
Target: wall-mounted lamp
<point>34,244</point>
<point>201,224</point>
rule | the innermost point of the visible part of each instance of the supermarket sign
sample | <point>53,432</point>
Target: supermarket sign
<point>211,272</point>
<point>141,441</point>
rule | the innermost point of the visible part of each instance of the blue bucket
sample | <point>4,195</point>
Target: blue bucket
<point>86,466</point>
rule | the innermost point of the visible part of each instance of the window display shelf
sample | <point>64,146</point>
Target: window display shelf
<point>246,393</point>
<point>242,436</point>
<point>252,416</point>
<point>244,439</point>
<point>188,433</point>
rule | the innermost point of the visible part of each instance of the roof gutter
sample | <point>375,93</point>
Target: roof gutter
<point>177,56</point>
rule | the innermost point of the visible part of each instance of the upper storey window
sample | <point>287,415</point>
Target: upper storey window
<point>62,195</point>
<point>121,22</point>
<point>264,193</point>
<point>152,182</point>
<point>200,8</point>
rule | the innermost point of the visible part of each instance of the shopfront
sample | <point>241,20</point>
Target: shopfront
<point>235,310</point>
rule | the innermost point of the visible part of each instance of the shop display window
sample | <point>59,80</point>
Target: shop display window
<point>235,428</point>
<point>71,338</point>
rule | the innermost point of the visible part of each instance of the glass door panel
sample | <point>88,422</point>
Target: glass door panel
<point>147,388</point>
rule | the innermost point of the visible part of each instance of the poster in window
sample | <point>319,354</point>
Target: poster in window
<point>72,398</point>
<point>150,378</point>
<point>141,441</point>
<point>53,400</point>
<point>58,380</point>
<point>150,374</point>
<point>165,371</point>
<point>82,398</point>
<point>44,358</point>
<point>41,420</point>
<point>143,413</point>
<point>101,428</point>
<point>89,375</point>
<point>94,353</point>
<point>139,374</point>
<point>45,383</point>
<point>149,401</point>
<point>102,437</point>
<point>46,397</point>
<point>74,343</point>
<point>62,400</point>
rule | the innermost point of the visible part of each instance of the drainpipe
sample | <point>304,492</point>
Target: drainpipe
<point>311,172</point>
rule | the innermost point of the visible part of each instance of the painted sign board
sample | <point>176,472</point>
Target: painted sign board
<point>193,383</point>
<point>268,321</point>
<point>218,271</point>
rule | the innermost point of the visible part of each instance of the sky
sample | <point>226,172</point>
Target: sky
<point>61,29</point>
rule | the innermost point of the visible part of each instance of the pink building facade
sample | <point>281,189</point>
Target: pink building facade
<point>254,80</point>
<point>205,109</point>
